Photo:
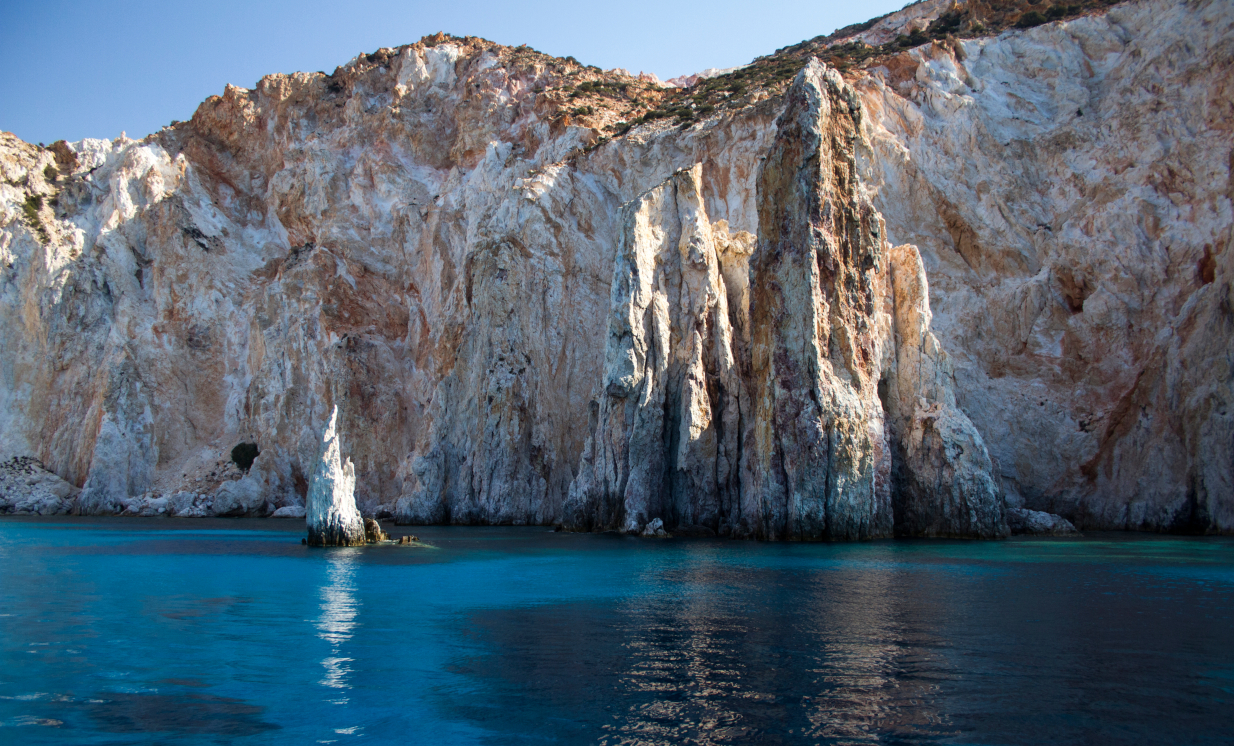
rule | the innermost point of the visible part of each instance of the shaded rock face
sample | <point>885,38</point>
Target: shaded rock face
<point>818,438</point>
<point>1038,523</point>
<point>373,533</point>
<point>942,477</point>
<point>333,520</point>
<point>704,324</point>
<point>1069,188</point>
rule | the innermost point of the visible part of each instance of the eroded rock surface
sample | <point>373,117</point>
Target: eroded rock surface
<point>667,431</point>
<point>1038,523</point>
<point>742,382</point>
<point>943,479</point>
<point>423,241</point>
<point>27,488</point>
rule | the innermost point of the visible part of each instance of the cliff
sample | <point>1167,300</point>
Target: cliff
<point>887,281</point>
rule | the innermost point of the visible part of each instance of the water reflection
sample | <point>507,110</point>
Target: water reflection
<point>552,638</point>
<point>179,714</point>
<point>873,674</point>
<point>711,653</point>
<point>337,620</point>
<point>686,672</point>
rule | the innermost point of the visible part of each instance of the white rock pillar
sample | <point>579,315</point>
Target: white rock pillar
<point>333,519</point>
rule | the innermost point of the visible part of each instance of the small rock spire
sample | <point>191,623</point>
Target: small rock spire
<point>333,519</point>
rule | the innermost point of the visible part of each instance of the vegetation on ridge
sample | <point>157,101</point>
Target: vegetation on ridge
<point>614,102</point>
<point>590,93</point>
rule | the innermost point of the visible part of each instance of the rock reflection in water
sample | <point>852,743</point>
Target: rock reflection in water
<point>183,714</point>
<point>874,675</point>
<point>338,619</point>
<point>715,654</point>
<point>706,670</point>
<point>526,636</point>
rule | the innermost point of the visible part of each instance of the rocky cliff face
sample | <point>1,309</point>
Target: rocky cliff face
<point>1070,190</point>
<point>707,322</point>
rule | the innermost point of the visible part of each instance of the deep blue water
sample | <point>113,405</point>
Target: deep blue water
<point>144,631</point>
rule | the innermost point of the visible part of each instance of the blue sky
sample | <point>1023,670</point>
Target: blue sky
<point>75,69</point>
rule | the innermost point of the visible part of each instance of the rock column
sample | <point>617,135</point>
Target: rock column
<point>333,519</point>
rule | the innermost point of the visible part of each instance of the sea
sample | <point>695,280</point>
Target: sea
<point>218,631</point>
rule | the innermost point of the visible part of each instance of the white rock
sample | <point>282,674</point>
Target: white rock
<point>26,488</point>
<point>333,519</point>
<point>1075,224</point>
<point>242,497</point>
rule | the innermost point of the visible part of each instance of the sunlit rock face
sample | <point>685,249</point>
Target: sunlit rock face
<point>416,241</point>
<point>667,430</point>
<point>332,517</point>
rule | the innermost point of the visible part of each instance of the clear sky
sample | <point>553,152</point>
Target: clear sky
<point>94,68</point>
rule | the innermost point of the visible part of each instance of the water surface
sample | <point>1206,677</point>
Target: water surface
<point>145,631</point>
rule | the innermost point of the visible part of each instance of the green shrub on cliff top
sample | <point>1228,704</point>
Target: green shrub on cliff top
<point>1030,19</point>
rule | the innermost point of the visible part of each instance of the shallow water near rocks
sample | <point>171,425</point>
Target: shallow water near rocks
<point>143,631</point>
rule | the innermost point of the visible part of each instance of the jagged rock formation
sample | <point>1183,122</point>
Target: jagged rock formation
<point>333,520</point>
<point>754,410</point>
<point>943,480</point>
<point>434,240</point>
<point>819,439</point>
<point>665,442</point>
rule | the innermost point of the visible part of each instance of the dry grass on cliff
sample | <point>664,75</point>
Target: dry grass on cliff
<point>613,102</point>
<point>617,103</point>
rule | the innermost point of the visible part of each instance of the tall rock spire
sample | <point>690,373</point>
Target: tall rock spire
<point>333,520</point>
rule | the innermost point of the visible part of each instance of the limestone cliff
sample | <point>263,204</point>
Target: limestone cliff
<point>533,301</point>
<point>753,410</point>
<point>1069,188</point>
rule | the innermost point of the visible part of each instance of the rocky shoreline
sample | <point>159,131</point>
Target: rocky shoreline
<point>27,488</point>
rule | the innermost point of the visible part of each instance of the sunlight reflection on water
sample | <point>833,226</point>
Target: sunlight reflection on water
<point>339,609</point>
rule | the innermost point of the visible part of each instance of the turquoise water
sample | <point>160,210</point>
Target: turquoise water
<point>145,631</point>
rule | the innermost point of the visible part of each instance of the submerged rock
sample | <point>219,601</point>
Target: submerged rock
<point>333,519</point>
